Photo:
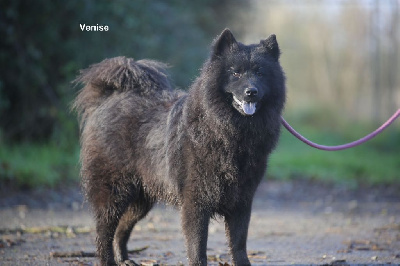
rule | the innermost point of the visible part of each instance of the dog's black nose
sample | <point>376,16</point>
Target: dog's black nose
<point>251,91</point>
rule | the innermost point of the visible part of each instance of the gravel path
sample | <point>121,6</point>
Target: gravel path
<point>292,223</point>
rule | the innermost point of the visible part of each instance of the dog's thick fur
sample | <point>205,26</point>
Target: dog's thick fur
<point>204,151</point>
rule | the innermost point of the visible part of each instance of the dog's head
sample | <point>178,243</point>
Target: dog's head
<point>252,73</point>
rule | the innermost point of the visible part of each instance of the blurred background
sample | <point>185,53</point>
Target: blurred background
<point>341,59</point>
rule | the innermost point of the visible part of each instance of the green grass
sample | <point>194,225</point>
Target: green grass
<point>33,165</point>
<point>374,162</point>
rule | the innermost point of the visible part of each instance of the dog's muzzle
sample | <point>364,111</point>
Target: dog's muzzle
<point>249,108</point>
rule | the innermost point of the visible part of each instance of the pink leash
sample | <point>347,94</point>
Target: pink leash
<point>344,146</point>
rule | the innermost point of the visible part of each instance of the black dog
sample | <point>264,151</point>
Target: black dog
<point>204,151</point>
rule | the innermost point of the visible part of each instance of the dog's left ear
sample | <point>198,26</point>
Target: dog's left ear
<point>223,42</point>
<point>271,46</point>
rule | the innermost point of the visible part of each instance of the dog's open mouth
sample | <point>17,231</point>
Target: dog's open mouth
<point>249,108</point>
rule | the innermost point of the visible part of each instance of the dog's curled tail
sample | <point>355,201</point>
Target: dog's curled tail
<point>119,74</point>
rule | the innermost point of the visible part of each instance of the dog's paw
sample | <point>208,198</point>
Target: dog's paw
<point>128,263</point>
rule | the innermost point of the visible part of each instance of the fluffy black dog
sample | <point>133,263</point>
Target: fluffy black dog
<point>204,151</point>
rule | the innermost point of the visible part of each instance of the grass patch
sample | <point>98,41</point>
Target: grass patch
<point>32,164</point>
<point>374,162</point>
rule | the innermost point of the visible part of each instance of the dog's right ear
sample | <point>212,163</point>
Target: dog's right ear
<point>223,42</point>
<point>271,46</point>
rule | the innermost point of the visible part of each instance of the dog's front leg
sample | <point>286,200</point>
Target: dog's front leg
<point>236,228</point>
<point>195,229</point>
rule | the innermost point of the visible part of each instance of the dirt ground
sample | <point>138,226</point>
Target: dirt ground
<point>292,223</point>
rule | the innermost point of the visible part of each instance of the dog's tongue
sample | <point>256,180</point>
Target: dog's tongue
<point>249,108</point>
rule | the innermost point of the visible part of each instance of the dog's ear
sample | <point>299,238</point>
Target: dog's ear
<point>271,46</point>
<point>223,42</point>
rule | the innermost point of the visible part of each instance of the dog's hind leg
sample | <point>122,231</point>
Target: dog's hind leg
<point>135,212</point>
<point>109,201</point>
<point>106,224</point>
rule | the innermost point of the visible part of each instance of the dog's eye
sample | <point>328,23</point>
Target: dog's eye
<point>236,74</point>
<point>258,71</point>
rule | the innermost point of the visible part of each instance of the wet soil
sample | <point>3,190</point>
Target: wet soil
<point>298,222</point>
